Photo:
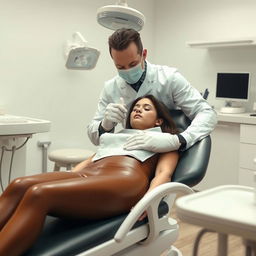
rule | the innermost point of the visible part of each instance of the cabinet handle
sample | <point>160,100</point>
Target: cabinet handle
<point>254,160</point>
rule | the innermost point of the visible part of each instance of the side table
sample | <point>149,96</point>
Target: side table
<point>227,209</point>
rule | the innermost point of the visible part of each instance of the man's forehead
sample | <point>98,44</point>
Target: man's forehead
<point>131,49</point>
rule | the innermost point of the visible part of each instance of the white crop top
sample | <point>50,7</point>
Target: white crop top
<point>111,144</point>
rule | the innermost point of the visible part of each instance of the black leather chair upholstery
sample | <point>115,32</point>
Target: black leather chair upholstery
<point>70,237</point>
<point>193,162</point>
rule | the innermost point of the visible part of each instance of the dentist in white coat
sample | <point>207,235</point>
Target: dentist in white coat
<point>137,77</point>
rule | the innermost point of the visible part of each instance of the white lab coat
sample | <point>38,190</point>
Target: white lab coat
<point>170,87</point>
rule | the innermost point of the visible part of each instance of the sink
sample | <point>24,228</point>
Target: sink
<point>15,125</point>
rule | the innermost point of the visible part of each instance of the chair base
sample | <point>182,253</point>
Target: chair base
<point>173,251</point>
<point>132,246</point>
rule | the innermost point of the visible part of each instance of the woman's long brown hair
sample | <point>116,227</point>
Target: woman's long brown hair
<point>168,124</point>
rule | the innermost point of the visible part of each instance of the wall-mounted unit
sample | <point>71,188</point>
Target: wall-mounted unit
<point>222,43</point>
<point>78,55</point>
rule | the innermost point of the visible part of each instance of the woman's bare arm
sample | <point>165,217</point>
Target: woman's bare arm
<point>165,167</point>
<point>82,165</point>
<point>164,170</point>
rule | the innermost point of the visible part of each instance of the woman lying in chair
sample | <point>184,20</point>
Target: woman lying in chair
<point>109,183</point>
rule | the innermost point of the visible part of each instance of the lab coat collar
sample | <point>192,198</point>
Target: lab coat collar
<point>147,84</point>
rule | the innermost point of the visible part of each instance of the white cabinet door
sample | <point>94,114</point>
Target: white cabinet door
<point>246,177</point>
<point>223,166</point>
<point>247,156</point>
<point>248,133</point>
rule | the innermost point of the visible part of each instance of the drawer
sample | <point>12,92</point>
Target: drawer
<point>248,133</point>
<point>247,156</point>
<point>246,177</point>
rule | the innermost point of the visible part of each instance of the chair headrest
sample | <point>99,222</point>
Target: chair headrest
<point>180,119</point>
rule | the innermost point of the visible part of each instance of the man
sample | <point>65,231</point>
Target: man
<point>137,77</point>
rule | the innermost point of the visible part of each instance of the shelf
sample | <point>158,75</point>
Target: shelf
<point>222,43</point>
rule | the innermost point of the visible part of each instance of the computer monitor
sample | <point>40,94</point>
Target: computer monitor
<point>232,87</point>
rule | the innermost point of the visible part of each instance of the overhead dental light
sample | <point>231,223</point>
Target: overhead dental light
<point>78,55</point>
<point>120,16</point>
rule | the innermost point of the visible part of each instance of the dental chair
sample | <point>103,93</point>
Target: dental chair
<point>124,234</point>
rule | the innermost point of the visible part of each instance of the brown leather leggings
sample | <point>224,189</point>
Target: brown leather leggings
<point>112,186</point>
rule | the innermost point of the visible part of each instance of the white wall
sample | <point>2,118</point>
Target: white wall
<point>33,79</point>
<point>180,21</point>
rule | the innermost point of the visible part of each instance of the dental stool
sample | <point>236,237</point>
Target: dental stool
<point>68,157</point>
<point>124,235</point>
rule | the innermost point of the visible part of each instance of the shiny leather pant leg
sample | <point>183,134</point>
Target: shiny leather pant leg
<point>92,197</point>
<point>15,191</point>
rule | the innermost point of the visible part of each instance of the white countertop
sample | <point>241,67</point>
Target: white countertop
<point>17,125</point>
<point>243,118</point>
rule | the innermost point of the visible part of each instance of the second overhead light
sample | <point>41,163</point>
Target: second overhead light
<point>120,16</point>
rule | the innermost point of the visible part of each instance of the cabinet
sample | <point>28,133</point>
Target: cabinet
<point>233,152</point>
<point>247,155</point>
<point>223,166</point>
<point>14,132</point>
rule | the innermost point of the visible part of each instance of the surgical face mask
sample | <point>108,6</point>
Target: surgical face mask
<point>131,75</point>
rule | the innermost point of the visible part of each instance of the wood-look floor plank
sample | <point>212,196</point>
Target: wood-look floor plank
<point>208,243</point>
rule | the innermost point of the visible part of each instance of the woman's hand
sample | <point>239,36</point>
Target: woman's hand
<point>79,167</point>
<point>143,216</point>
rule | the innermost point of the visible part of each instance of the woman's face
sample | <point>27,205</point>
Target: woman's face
<point>144,115</point>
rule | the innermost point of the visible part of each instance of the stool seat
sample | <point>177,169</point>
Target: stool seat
<point>68,157</point>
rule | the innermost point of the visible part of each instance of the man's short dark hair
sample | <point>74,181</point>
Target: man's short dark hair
<point>121,39</point>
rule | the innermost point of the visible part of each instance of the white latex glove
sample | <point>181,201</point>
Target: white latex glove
<point>154,142</point>
<point>115,113</point>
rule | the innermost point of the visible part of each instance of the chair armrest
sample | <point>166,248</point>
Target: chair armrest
<point>150,202</point>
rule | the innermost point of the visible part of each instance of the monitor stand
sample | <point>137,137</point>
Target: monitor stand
<point>232,110</point>
<point>232,107</point>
